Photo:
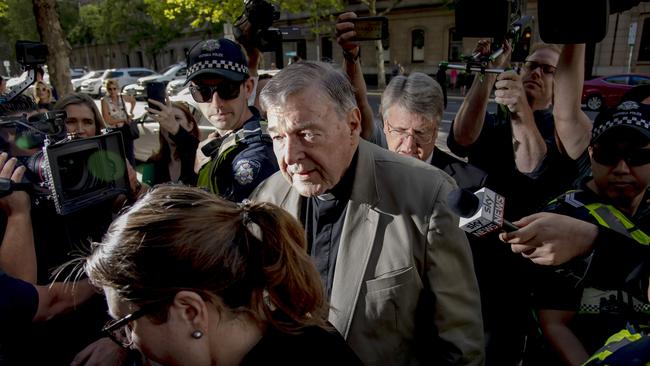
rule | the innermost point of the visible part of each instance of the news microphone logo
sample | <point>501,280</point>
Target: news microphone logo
<point>481,213</point>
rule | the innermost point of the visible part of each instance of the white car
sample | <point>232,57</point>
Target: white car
<point>76,83</point>
<point>124,76</point>
<point>174,87</point>
<point>173,72</point>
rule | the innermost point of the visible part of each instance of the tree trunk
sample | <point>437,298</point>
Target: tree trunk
<point>58,60</point>
<point>381,71</point>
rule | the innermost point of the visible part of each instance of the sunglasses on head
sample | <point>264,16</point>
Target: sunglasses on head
<point>226,90</point>
<point>612,156</point>
<point>546,68</point>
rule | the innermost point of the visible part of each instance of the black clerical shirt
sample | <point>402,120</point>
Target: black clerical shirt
<point>323,218</point>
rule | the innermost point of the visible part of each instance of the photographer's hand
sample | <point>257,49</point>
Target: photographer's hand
<point>17,253</point>
<point>164,115</point>
<point>16,203</point>
<point>528,144</point>
<point>483,48</point>
<point>344,34</point>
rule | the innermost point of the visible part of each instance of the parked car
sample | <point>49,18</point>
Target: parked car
<point>175,86</point>
<point>173,72</point>
<point>148,141</point>
<point>77,72</point>
<point>76,83</point>
<point>123,76</point>
<point>606,91</point>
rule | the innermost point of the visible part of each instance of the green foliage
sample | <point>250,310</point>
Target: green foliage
<point>205,13</point>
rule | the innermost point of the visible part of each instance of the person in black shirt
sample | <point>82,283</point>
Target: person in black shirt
<point>192,278</point>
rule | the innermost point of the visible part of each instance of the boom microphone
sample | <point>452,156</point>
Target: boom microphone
<point>481,213</point>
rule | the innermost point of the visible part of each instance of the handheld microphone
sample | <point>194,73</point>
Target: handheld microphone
<point>481,213</point>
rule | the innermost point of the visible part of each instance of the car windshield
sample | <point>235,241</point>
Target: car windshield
<point>168,70</point>
<point>113,74</point>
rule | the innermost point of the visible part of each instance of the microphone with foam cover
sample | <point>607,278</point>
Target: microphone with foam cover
<point>481,213</point>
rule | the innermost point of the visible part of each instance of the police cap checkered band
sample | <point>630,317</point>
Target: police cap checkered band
<point>217,57</point>
<point>217,64</point>
<point>628,114</point>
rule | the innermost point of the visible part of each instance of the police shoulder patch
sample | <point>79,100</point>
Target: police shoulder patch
<point>246,171</point>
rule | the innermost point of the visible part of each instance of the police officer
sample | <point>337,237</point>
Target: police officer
<point>602,227</point>
<point>242,155</point>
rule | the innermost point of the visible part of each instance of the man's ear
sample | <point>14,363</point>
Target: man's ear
<point>191,309</point>
<point>249,84</point>
<point>354,121</point>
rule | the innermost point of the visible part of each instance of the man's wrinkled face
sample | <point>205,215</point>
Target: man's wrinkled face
<point>314,145</point>
<point>621,170</point>
<point>409,133</point>
<point>537,76</point>
<point>223,109</point>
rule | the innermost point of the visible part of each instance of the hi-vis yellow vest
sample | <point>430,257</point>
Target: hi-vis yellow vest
<point>230,145</point>
<point>608,216</point>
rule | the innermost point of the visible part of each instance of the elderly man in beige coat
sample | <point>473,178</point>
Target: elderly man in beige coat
<point>397,268</point>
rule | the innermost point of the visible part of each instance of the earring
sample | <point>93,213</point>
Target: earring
<point>197,334</point>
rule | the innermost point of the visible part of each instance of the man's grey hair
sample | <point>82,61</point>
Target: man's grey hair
<point>303,75</point>
<point>418,93</point>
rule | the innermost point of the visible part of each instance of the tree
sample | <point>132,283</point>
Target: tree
<point>206,13</point>
<point>58,60</point>
<point>379,46</point>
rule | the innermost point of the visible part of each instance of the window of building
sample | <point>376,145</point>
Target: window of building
<point>644,46</point>
<point>417,45</point>
<point>455,45</point>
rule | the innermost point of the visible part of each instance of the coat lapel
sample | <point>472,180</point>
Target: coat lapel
<point>357,238</point>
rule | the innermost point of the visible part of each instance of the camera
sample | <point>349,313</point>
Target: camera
<point>73,173</point>
<point>254,26</point>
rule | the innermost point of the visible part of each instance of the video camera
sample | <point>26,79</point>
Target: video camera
<point>254,26</point>
<point>73,173</point>
<point>506,23</point>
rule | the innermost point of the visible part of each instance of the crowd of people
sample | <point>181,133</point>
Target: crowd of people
<point>303,231</point>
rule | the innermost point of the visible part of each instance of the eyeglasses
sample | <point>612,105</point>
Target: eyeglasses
<point>546,68</point>
<point>612,156</point>
<point>420,137</point>
<point>226,90</point>
<point>119,330</point>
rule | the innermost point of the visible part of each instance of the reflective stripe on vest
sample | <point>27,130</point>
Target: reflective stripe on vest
<point>208,173</point>
<point>610,217</point>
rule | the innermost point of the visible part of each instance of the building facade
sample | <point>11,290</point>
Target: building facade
<point>421,35</point>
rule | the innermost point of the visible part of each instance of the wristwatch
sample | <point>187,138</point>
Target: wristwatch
<point>348,56</point>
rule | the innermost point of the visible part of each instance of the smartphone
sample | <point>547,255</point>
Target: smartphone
<point>156,91</point>
<point>370,28</point>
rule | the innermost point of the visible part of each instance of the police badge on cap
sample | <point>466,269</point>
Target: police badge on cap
<point>221,58</point>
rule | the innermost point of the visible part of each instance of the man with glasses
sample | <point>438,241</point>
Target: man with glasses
<point>242,156</point>
<point>411,112</point>
<point>599,234</point>
<point>531,153</point>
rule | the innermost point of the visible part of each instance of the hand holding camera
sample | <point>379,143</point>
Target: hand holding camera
<point>345,33</point>
<point>16,202</point>
<point>164,114</point>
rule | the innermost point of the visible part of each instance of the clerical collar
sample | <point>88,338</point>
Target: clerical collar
<point>343,189</point>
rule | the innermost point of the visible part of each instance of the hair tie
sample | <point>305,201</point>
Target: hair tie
<point>245,207</point>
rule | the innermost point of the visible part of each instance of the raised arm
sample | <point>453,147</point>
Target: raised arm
<point>352,67</point>
<point>17,253</point>
<point>471,114</point>
<point>572,125</point>
<point>527,142</point>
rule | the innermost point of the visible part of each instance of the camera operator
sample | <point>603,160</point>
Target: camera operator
<point>57,238</point>
<point>522,147</point>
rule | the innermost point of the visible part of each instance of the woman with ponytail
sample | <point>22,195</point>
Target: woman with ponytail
<point>192,279</point>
